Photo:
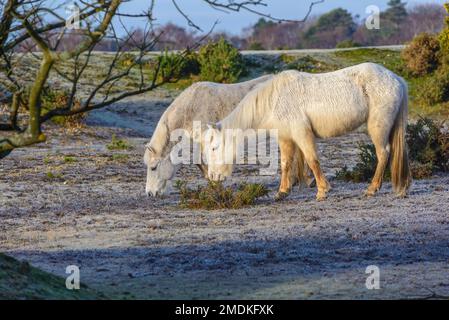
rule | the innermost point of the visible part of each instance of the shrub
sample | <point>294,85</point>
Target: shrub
<point>435,89</point>
<point>56,99</point>
<point>428,143</point>
<point>176,66</point>
<point>220,62</point>
<point>421,54</point>
<point>216,196</point>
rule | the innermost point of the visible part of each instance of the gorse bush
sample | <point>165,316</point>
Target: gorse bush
<point>174,66</point>
<point>421,54</point>
<point>216,196</point>
<point>435,89</point>
<point>220,62</point>
<point>429,55</point>
<point>428,144</point>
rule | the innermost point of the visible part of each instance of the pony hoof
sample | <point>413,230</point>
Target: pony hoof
<point>311,183</point>
<point>369,193</point>
<point>401,195</point>
<point>280,196</point>
<point>321,197</point>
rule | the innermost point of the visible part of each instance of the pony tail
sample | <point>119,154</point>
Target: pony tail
<point>399,163</point>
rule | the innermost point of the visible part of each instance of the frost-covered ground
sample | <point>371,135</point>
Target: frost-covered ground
<point>73,201</point>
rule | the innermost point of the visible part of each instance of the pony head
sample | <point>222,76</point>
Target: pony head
<point>160,171</point>
<point>216,153</point>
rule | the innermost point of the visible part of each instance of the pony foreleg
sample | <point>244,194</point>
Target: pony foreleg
<point>288,170</point>
<point>203,168</point>
<point>306,143</point>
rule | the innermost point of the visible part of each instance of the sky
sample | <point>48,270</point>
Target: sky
<point>204,16</point>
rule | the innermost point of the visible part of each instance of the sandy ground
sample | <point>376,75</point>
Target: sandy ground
<point>92,212</point>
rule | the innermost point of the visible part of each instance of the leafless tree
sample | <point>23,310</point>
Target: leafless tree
<point>37,29</point>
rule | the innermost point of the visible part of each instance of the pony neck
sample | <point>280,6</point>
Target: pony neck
<point>161,137</point>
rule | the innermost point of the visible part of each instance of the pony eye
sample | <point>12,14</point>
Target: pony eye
<point>153,168</point>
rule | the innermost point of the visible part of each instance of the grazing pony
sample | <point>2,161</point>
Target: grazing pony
<point>205,102</point>
<point>303,106</point>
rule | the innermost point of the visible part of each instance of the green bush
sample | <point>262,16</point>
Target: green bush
<point>435,89</point>
<point>421,54</point>
<point>216,196</point>
<point>220,62</point>
<point>428,143</point>
<point>174,66</point>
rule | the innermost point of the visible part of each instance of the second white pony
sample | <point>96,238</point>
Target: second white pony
<point>303,106</point>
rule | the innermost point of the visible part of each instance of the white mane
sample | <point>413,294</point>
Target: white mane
<point>203,101</point>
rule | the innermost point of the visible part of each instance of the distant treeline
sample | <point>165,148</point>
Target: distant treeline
<point>336,28</point>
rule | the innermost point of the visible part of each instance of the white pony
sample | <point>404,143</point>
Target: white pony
<point>303,106</point>
<point>205,102</point>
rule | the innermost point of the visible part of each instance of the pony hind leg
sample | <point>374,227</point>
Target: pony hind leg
<point>304,172</point>
<point>288,169</point>
<point>379,136</point>
<point>306,143</point>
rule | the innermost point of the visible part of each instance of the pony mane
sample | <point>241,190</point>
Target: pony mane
<point>256,104</point>
<point>191,103</point>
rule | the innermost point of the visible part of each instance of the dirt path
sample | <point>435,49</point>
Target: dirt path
<point>91,211</point>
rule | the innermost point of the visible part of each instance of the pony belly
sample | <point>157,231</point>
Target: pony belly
<point>335,124</point>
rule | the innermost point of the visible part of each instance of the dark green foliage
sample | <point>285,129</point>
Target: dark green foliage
<point>220,62</point>
<point>429,144</point>
<point>174,66</point>
<point>331,28</point>
<point>435,89</point>
<point>336,19</point>
<point>396,12</point>
<point>216,196</point>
